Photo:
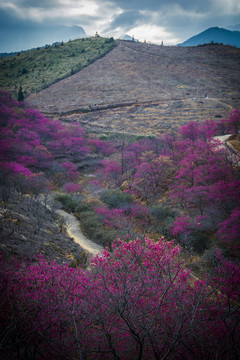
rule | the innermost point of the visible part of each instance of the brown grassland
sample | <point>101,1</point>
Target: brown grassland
<point>145,89</point>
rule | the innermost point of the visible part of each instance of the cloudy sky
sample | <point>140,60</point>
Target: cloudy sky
<point>29,23</point>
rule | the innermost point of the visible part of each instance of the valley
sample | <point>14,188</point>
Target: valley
<point>131,157</point>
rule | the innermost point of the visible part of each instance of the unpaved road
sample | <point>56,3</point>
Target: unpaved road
<point>74,231</point>
<point>73,227</point>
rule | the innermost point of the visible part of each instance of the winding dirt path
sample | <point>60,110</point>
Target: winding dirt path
<point>74,231</point>
<point>73,227</point>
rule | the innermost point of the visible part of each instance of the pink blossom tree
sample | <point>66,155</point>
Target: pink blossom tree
<point>138,302</point>
<point>229,231</point>
<point>110,171</point>
<point>102,147</point>
<point>72,187</point>
<point>152,178</point>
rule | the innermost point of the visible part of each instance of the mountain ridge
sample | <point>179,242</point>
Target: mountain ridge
<point>39,37</point>
<point>214,35</point>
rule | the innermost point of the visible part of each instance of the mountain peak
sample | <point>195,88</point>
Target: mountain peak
<point>214,35</point>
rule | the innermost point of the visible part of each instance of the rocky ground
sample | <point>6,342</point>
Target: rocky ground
<point>28,228</point>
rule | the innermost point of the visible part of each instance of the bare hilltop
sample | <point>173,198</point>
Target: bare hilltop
<point>147,89</point>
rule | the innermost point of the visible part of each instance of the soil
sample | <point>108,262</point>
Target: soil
<point>75,232</point>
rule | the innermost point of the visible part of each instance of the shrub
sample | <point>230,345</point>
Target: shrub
<point>104,237</point>
<point>161,212</point>
<point>67,201</point>
<point>72,187</point>
<point>116,198</point>
<point>20,96</point>
<point>83,207</point>
<point>198,241</point>
<point>90,222</point>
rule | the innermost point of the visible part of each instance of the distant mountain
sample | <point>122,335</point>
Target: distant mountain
<point>73,31</point>
<point>215,35</point>
<point>36,36</point>
<point>128,38</point>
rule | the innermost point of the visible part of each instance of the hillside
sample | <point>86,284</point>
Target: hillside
<point>139,299</point>
<point>166,210</point>
<point>147,89</point>
<point>29,227</point>
<point>214,35</point>
<point>38,68</point>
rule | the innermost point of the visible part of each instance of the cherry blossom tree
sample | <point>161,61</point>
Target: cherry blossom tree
<point>137,302</point>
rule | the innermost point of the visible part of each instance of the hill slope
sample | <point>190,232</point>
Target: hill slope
<point>38,68</point>
<point>215,35</point>
<point>147,89</point>
<point>57,33</point>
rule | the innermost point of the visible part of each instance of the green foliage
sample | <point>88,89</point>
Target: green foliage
<point>51,63</point>
<point>161,212</point>
<point>103,137</point>
<point>68,203</point>
<point>20,96</point>
<point>91,222</point>
<point>163,217</point>
<point>199,241</point>
<point>110,40</point>
<point>92,225</point>
<point>115,198</point>
<point>83,207</point>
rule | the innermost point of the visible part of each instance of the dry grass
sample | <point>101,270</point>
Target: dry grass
<point>147,89</point>
<point>36,69</point>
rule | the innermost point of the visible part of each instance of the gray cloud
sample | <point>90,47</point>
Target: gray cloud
<point>127,20</point>
<point>21,34</point>
<point>155,5</point>
<point>170,20</point>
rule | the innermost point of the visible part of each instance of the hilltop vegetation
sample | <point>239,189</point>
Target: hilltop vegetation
<point>36,69</point>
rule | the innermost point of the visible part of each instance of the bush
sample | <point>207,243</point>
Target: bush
<point>199,241</point>
<point>68,203</point>
<point>109,41</point>
<point>161,212</point>
<point>90,222</point>
<point>104,237</point>
<point>20,96</point>
<point>83,207</point>
<point>116,198</point>
<point>194,240</point>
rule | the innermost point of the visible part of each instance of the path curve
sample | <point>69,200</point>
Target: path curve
<point>72,225</point>
<point>74,231</point>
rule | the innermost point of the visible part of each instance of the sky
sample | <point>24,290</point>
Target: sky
<point>30,23</point>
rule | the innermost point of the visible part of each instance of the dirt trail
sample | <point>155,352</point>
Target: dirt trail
<point>74,231</point>
<point>73,227</point>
